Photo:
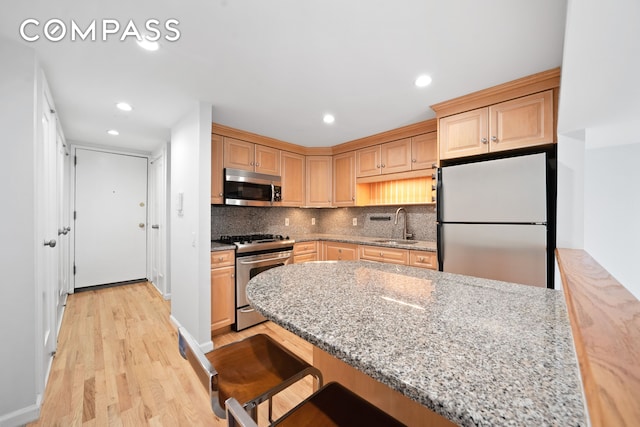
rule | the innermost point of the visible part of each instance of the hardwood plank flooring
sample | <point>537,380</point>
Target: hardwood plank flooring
<point>118,364</point>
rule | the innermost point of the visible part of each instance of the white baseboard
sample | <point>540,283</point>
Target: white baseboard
<point>205,347</point>
<point>21,416</point>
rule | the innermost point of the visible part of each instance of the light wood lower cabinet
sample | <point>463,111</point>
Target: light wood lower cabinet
<point>305,251</point>
<point>223,285</point>
<point>423,259</point>
<point>382,254</point>
<point>336,251</point>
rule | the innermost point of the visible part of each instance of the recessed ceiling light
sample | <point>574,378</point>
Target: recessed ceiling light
<point>328,118</point>
<point>113,132</point>
<point>124,106</point>
<point>148,45</point>
<point>423,81</point>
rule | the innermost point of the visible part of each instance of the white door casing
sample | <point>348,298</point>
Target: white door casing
<point>46,243</point>
<point>110,217</point>
<point>157,221</point>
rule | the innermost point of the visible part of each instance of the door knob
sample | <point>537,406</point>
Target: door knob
<point>51,243</point>
<point>141,225</point>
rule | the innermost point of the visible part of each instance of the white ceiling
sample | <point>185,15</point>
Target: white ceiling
<point>275,67</point>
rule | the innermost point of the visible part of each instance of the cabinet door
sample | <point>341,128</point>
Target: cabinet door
<point>293,179</point>
<point>522,122</point>
<point>464,134</point>
<point>216,169</point>
<point>335,251</point>
<point>267,160</point>
<point>222,297</point>
<point>396,156</point>
<point>344,179</point>
<point>239,154</point>
<point>319,179</point>
<point>423,259</point>
<point>387,255</point>
<point>368,161</point>
<point>424,151</point>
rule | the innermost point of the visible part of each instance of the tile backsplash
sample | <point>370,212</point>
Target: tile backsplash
<point>377,221</point>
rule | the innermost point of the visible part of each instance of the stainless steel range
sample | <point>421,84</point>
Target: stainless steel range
<point>255,253</point>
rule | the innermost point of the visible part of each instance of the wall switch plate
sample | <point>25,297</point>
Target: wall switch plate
<point>286,222</point>
<point>355,221</point>
<point>313,221</point>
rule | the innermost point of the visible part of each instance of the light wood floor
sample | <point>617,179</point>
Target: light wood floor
<point>118,364</point>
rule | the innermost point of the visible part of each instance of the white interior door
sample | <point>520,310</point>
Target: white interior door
<point>110,218</point>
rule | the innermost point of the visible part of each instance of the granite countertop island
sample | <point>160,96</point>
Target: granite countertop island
<point>476,351</point>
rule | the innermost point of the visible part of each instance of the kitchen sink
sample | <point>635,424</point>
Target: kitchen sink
<point>397,241</point>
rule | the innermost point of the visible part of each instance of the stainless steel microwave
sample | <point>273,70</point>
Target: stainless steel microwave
<point>244,188</point>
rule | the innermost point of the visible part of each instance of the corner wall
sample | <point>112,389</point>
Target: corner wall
<point>190,227</point>
<point>19,394</point>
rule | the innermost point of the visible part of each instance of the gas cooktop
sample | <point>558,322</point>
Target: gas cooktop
<point>258,242</point>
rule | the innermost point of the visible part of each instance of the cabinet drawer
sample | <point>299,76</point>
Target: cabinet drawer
<point>423,259</point>
<point>303,248</point>
<point>340,251</point>
<point>297,259</point>
<point>222,258</point>
<point>388,255</point>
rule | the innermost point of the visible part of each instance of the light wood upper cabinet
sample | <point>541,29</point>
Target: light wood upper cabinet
<point>404,155</point>
<point>424,151</point>
<point>396,156</point>
<point>319,181</point>
<point>521,122</point>
<point>251,157</point>
<point>239,154</point>
<point>292,167</point>
<point>517,123</point>
<point>344,179</point>
<point>267,160</point>
<point>368,161</point>
<point>464,134</point>
<point>216,170</point>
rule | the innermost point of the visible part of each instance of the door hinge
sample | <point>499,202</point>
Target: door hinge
<point>74,215</point>
<point>74,268</point>
<point>75,160</point>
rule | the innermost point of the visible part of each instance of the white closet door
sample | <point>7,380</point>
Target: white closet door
<point>111,218</point>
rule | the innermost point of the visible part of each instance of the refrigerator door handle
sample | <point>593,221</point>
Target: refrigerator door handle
<point>439,196</point>
<point>439,247</point>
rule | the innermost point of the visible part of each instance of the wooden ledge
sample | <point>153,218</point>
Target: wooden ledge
<point>605,319</point>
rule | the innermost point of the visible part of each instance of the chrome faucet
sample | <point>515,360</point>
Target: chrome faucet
<point>405,235</point>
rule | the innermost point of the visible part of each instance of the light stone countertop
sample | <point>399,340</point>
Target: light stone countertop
<point>476,351</point>
<point>420,245</point>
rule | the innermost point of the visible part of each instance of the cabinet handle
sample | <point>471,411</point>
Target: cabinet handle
<point>383,165</point>
<point>377,166</point>
<point>421,259</point>
<point>494,138</point>
<point>257,164</point>
<point>353,198</point>
<point>484,140</point>
<point>381,254</point>
<point>220,195</point>
<point>252,164</point>
<point>220,259</point>
<point>413,160</point>
<point>233,275</point>
<point>340,251</point>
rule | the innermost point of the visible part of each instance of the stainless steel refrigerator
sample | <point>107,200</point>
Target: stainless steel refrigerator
<point>496,218</point>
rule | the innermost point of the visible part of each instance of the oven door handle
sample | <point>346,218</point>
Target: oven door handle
<point>260,261</point>
<point>247,310</point>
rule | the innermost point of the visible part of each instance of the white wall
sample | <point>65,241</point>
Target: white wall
<point>18,385</point>
<point>190,241</point>
<point>599,136</point>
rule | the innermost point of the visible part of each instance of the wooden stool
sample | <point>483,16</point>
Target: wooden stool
<point>251,371</point>
<point>331,406</point>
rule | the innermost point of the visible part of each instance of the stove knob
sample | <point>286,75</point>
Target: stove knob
<point>287,238</point>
